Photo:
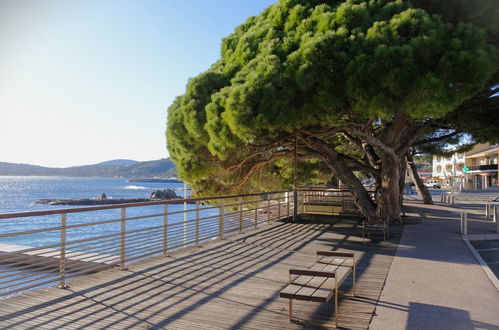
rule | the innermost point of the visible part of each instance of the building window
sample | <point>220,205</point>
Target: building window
<point>439,168</point>
<point>448,167</point>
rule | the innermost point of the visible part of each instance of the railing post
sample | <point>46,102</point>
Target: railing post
<point>122,238</point>
<point>278,207</point>
<point>165,229</point>
<point>240,218</point>
<point>287,200</point>
<point>221,224</point>
<point>303,199</point>
<point>256,217</point>
<point>197,223</point>
<point>62,256</point>
<point>268,209</point>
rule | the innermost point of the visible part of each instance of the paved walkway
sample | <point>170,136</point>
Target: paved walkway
<point>434,281</point>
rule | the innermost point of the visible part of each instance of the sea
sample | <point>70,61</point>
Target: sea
<point>19,194</point>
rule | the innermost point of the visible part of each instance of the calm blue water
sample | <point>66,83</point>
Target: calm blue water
<point>18,194</point>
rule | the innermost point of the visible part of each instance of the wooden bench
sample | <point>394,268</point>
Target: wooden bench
<point>321,281</point>
<point>375,224</point>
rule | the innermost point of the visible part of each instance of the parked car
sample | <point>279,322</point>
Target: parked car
<point>435,184</point>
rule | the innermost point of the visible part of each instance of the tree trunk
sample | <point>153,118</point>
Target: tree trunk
<point>342,172</point>
<point>388,204</point>
<point>419,183</point>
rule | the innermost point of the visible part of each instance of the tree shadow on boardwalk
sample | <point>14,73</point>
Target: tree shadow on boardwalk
<point>228,284</point>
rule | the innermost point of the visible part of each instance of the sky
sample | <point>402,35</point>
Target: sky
<point>83,82</point>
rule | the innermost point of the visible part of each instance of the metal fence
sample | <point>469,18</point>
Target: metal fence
<point>44,248</point>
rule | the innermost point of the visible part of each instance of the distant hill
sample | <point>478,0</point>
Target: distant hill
<point>161,168</point>
<point>119,162</point>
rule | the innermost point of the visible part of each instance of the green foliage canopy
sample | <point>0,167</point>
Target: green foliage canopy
<point>304,65</point>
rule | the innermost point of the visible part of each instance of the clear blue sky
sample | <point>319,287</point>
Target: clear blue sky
<point>87,81</point>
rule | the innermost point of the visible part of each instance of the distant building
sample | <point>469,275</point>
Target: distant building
<point>449,169</point>
<point>482,167</point>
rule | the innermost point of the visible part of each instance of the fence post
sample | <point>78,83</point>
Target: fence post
<point>165,229</point>
<point>221,224</point>
<point>62,256</point>
<point>122,238</point>
<point>197,223</point>
<point>240,218</point>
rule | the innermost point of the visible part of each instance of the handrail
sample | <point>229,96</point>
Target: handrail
<point>119,206</point>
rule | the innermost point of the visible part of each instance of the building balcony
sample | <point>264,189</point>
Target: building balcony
<point>490,167</point>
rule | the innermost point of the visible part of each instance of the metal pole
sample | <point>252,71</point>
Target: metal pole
<point>165,229</point>
<point>62,256</point>
<point>197,223</point>
<point>221,224</point>
<point>466,224</point>
<point>295,189</point>
<point>122,238</point>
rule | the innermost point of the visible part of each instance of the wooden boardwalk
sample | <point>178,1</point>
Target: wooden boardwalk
<point>229,284</point>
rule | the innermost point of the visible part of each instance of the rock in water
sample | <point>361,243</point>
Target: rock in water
<point>101,196</point>
<point>164,194</point>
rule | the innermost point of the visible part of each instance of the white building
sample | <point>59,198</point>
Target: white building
<point>449,169</point>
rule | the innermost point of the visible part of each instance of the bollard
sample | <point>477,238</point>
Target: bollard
<point>465,220</point>
<point>452,199</point>
<point>487,210</point>
<point>495,209</point>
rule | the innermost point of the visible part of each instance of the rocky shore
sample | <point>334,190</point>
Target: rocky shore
<point>102,199</point>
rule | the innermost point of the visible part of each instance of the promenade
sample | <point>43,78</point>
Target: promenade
<point>428,280</point>
<point>435,282</point>
<point>228,284</point>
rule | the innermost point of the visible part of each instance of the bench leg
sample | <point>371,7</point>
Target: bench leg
<point>336,308</point>
<point>354,278</point>
<point>290,309</point>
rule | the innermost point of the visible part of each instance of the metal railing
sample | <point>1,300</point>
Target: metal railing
<point>44,248</point>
